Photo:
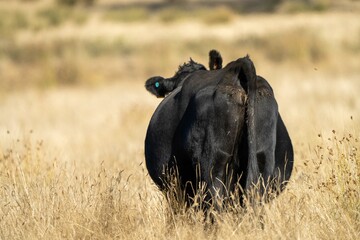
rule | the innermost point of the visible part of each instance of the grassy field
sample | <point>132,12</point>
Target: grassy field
<point>74,114</point>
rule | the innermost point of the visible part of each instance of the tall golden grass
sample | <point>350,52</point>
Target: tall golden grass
<point>74,114</point>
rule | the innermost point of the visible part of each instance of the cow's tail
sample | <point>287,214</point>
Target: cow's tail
<point>247,77</point>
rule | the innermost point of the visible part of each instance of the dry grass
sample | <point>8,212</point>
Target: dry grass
<point>73,167</point>
<point>72,127</point>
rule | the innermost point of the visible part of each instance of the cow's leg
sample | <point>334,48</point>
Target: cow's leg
<point>274,148</point>
<point>266,122</point>
<point>217,176</point>
<point>266,161</point>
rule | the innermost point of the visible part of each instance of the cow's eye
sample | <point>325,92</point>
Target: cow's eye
<point>157,84</point>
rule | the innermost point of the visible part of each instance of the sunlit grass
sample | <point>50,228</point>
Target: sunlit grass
<point>57,15</point>
<point>101,189</point>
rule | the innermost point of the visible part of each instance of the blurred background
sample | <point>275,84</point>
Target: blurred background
<point>55,43</point>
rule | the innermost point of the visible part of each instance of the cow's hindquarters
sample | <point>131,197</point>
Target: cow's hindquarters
<point>207,139</point>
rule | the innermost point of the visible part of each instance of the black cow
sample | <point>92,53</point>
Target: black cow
<point>220,128</point>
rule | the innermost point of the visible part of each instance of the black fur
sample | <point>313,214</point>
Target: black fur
<point>215,60</point>
<point>221,128</point>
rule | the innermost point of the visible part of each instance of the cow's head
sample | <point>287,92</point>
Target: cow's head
<point>160,86</point>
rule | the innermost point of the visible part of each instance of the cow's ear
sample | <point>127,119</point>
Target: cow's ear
<point>215,60</point>
<point>155,85</point>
